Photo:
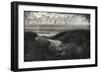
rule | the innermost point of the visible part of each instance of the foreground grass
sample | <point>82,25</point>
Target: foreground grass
<point>76,46</point>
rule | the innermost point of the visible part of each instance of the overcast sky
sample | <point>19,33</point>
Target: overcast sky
<point>47,18</point>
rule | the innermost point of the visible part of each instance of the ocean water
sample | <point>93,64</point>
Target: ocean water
<point>51,30</point>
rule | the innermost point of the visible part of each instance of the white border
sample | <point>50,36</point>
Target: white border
<point>22,64</point>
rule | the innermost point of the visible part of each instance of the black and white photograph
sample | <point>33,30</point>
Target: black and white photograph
<point>52,36</point>
<point>56,36</point>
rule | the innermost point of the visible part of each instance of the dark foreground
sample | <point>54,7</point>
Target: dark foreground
<point>75,45</point>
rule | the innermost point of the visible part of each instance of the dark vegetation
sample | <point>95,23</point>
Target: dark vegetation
<point>76,45</point>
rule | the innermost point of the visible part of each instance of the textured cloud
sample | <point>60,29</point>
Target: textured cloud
<point>47,18</point>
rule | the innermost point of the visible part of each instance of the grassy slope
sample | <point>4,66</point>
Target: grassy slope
<point>76,46</point>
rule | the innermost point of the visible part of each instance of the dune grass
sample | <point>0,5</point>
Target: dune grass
<point>76,45</point>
